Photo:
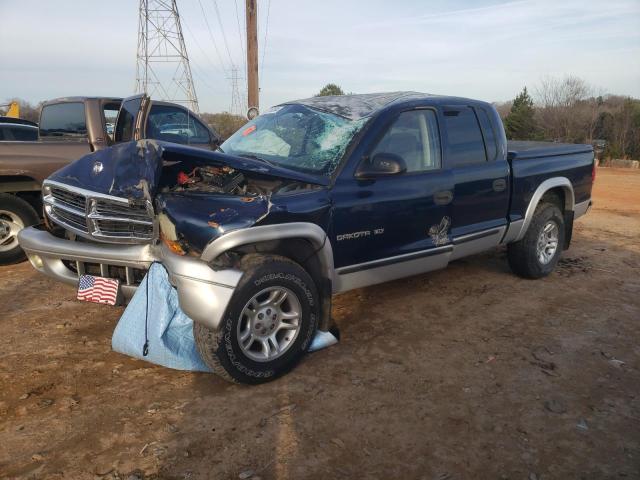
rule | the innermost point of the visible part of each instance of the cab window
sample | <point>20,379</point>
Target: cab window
<point>65,120</point>
<point>488,133</point>
<point>414,137</point>
<point>465,145</point>
<point>172,124</point>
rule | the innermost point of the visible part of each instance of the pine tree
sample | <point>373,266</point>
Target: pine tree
<point>520,124</point>
<point>330,89</point>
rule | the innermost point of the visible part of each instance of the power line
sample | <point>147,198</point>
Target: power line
<point>213,40</point>
<point>224,36</point>
<point>204,53</point>
<point>240,30</point>
<point>264,42</point>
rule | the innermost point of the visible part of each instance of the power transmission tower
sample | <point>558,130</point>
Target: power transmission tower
<point>237,105</point>
<point>163,69</point>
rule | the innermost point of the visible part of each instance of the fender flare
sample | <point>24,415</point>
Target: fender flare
<point>518,229</point>
<point>309,231</point>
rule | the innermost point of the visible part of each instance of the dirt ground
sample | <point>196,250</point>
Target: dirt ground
<point>466,373</point>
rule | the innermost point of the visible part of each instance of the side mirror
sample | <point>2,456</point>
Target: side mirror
<point>214,142</point>
<point>381,164</point>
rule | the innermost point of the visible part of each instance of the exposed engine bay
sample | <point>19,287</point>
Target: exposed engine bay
<point>210,179</point>
<point>224,179</point>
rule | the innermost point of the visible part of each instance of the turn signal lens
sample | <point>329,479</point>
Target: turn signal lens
<point>174,246</point>
<point>36,261</point>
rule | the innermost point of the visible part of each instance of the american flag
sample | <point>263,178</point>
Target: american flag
<point>98,289</point>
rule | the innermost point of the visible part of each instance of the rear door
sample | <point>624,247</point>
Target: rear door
<point>481,178</point>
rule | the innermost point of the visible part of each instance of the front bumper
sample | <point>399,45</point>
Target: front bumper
<point>203,293</point>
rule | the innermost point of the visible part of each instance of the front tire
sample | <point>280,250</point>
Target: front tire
<point>15,214</point>
<point>268,325</point>
<point>537,254</point>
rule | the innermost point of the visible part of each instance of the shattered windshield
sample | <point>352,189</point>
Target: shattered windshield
<point>295,137</point>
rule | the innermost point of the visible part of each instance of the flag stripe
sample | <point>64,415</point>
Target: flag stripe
<point>98,289</point>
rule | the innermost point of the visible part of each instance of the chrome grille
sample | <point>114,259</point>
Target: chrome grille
<point>68,208</point>
<point>73,219</point>
<point>106,207</point>
<point>69,198</point>
<point>97,216</point>
<point>117,228</point>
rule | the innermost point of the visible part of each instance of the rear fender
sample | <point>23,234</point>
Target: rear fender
<point>518,229</point>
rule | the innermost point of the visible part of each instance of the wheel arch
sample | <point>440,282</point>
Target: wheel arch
<point>559,185</point>
<point>305,243</point>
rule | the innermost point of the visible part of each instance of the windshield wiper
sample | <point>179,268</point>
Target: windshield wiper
<point>256,157</point>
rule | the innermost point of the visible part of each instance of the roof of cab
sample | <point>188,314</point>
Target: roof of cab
<point>357,106</point>
<point>80,99</point>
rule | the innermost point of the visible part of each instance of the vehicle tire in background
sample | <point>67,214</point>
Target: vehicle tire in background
<point>537,254</point>
<point>15,214</point>
<point>268,325</point>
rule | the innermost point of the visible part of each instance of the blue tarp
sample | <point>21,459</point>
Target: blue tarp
<point>169,330</point>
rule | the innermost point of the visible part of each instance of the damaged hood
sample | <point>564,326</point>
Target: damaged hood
<point>132,170</point>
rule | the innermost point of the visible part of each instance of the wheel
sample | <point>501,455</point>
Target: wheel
<point>15,214</point>
<point>268,324</point>
<point>537,254</point>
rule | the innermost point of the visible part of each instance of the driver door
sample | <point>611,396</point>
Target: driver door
<point>395,225</point>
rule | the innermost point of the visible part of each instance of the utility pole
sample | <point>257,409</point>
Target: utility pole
<point>252,59</point>
<point>163,69</point>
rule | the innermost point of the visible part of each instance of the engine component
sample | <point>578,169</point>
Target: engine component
<point>209,179</point>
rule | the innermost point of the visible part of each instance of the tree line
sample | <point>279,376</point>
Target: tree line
<point>570,110</point>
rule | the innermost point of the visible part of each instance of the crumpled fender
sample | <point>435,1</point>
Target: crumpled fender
<point>201,218</point>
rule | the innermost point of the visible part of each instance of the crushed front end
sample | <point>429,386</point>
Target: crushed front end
<point>115,212</point>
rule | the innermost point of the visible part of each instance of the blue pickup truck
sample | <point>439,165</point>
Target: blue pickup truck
<point>312,198</point>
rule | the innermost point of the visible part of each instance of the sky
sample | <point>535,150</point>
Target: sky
<point>486,50</point>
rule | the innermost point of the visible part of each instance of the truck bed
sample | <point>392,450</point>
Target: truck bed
<point>520,150</point>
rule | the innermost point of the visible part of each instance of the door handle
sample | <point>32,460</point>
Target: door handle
<point>443,198</point>
<point>499,185</point>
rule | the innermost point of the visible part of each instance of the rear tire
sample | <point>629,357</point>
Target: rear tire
<point>268,325</point>
<point>15,214</point>
<point>537,254</point>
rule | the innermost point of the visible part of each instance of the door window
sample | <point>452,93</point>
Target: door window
<point>464,139</point>
<point>18,133</point>
<point>488,133</point>
<point>414,137</point>
<point>126,121</point>
<point>177,125</point>
<point>110,112</point>
<point>63,120</point>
